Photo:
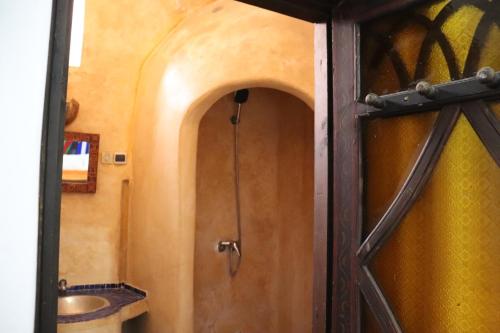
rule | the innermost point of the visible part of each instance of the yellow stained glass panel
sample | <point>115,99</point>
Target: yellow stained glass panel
<point>440,269</point>
<point>392,146</point>
<point>442,264</point>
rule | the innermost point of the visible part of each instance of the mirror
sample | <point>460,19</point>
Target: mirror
<point>80,160</point>
<point>76,161</point>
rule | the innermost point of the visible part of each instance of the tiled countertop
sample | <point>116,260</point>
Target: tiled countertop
<point>118,295</point>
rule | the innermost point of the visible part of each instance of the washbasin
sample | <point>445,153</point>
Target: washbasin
<point>79,304</point>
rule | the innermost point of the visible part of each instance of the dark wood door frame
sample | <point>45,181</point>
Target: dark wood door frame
<point>323,164</point>
<point>51,167</point>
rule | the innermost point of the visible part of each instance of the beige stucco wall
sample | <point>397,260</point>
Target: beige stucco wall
<point>225,46</point>
<point>272,290</point>
<point>150,70</point>
<point>119,35</point>
<point>293,280</point>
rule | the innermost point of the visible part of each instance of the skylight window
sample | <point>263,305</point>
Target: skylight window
<point>77,29</point>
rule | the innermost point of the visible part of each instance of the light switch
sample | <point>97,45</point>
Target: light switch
<point>107,157</point>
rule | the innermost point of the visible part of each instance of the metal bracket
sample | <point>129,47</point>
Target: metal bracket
<point>427,97</point>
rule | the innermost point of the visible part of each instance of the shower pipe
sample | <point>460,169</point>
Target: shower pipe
<point>234,246</point>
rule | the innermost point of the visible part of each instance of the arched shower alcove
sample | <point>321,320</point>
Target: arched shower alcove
<point>272,290</point>
<point>188,153</point>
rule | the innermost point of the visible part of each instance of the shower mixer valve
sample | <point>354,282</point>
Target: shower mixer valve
<point>232,246</point>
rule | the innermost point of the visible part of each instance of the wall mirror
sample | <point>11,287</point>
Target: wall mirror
<point>80,160</point>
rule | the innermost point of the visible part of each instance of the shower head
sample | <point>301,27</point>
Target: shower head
<point>241,96</point>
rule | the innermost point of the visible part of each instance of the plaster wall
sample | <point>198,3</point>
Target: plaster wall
<point>272,289</point>
<point>295,202</point>
<point>115,47</point>
<point>224,46</point>
<point>24,36</point>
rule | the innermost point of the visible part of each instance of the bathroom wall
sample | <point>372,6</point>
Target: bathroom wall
<point>224,46</point>
<point>119,35</point>
<point>272,289</point>
<point>24,36</point>
<point>295,208</point>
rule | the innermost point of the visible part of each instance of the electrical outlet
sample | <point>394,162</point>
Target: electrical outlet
<point>107,157</point>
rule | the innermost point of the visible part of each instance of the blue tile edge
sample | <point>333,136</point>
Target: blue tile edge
<point>104,286</point>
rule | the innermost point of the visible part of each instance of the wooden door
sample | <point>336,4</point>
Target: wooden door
<point>416,178</point>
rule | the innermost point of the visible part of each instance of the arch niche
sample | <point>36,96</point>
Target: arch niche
<point>222,47</point>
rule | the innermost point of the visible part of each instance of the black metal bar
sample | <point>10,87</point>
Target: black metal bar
<point>51,168</point>
<point>486,125</point>
<point>413,186</point>
<point>377,302</point>
<point>411,101</point>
